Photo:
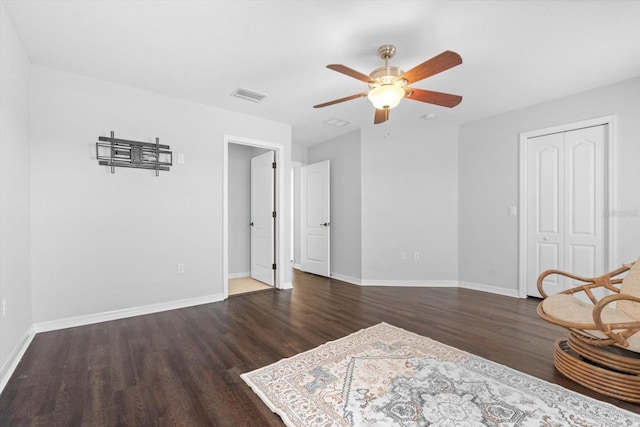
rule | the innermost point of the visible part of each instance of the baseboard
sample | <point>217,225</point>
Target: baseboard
<point>14,358</point>
<point>297,266</point>
<point>348,279</point>
<point>286,285</point>
<point>492,289</point>
<point>106,316</point>
<point>428,284</point>
<point>412,283</point>
<point>238,275</point>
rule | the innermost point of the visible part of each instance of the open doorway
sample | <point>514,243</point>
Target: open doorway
<point>251,224</point>
<point>239,256</point>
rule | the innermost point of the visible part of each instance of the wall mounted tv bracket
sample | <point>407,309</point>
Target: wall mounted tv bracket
<point>123,153</point>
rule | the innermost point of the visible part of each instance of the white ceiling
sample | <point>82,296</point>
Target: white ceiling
<point>515,53</point>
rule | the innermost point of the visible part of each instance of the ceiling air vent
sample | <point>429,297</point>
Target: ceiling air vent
<point>249,95</point>
<point>336,122</point>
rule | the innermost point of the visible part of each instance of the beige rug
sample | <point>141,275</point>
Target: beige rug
<point>245,284</point>
<point>386,376</point>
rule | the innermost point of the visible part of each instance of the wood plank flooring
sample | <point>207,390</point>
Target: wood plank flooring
<point>183,367</point>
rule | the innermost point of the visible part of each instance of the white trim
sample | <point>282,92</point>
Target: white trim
<point>613,185</point>
<point>14,358</point>
<point>412,283</point>
<point>428,284</point>
<point>105,316</point>
<point>280,197</point>
<point>348,279</point>
<point>610,121</point>
<point>239,275</point>
<point>491,289</point>
<point>286,285</point>
<point>297,266</point>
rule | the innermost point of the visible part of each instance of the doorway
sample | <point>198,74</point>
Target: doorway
<point>565,190</point>
<point>276,273</point>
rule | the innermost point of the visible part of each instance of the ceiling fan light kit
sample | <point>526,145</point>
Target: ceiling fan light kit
<point>386,96</point>
<point>387,85</point>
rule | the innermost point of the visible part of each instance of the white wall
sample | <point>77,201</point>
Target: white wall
<point>344,155</point>
<point>15,264</point>
<point>409,204</point>
<point>300,153</point>
<point>299,158</point>
<point>104,242</point>
<point>488,162</point>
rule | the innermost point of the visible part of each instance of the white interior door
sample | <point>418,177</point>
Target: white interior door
<point>314,218</point>
<point>585,221</point>
<point>262,219</point>
<point>566,227</point>
<point>545,201</point>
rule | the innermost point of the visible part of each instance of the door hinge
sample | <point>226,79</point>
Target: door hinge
<point>273,266</point>
<point>273,214</point>
<point>273,165</point>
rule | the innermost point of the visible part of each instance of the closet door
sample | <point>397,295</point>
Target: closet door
<point>584,198</point>
<point>545,202</point>
<point>566,199</point>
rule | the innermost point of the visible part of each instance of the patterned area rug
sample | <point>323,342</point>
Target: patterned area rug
<point>386,376</point>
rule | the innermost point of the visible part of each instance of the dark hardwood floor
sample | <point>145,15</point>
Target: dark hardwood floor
<point>183,367</point>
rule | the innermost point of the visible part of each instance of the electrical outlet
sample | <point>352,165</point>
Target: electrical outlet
<point>513,211</point>
<point>403,256</point>
<point>181,158</point>
<point>416,256</point>
<point>180,268</point>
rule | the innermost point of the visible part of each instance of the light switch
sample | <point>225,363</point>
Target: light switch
<point>180,158</point>
<point>513,211</point>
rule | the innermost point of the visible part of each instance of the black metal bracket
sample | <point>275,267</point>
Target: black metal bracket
<point>123,153</point>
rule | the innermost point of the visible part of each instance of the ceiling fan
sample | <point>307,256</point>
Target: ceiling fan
<point>388,84</point>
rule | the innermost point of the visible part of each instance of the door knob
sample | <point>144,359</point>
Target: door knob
<point>545,238</point>
<point>251,223</point>
<point>325,224</point>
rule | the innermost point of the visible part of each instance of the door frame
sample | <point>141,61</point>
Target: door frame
<point>610,188</point>
<point>280,209</point>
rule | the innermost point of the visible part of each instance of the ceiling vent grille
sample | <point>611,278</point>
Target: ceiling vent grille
<point>336,122</point>
<point>249,95</point>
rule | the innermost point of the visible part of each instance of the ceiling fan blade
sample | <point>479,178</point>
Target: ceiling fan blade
<point>437,98</point>
<point>430,67</point>
<point>349,72</point>
<point>382,115</point>
<point>337,101</point>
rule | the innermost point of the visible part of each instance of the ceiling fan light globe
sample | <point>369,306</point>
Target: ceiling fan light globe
<point>386,96</point>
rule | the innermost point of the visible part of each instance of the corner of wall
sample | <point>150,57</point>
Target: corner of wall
<point>16,315</point>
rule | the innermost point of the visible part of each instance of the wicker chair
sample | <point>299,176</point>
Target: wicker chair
<point>602,351</point>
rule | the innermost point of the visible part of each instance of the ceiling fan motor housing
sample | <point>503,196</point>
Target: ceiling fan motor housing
<point>386,76</point>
